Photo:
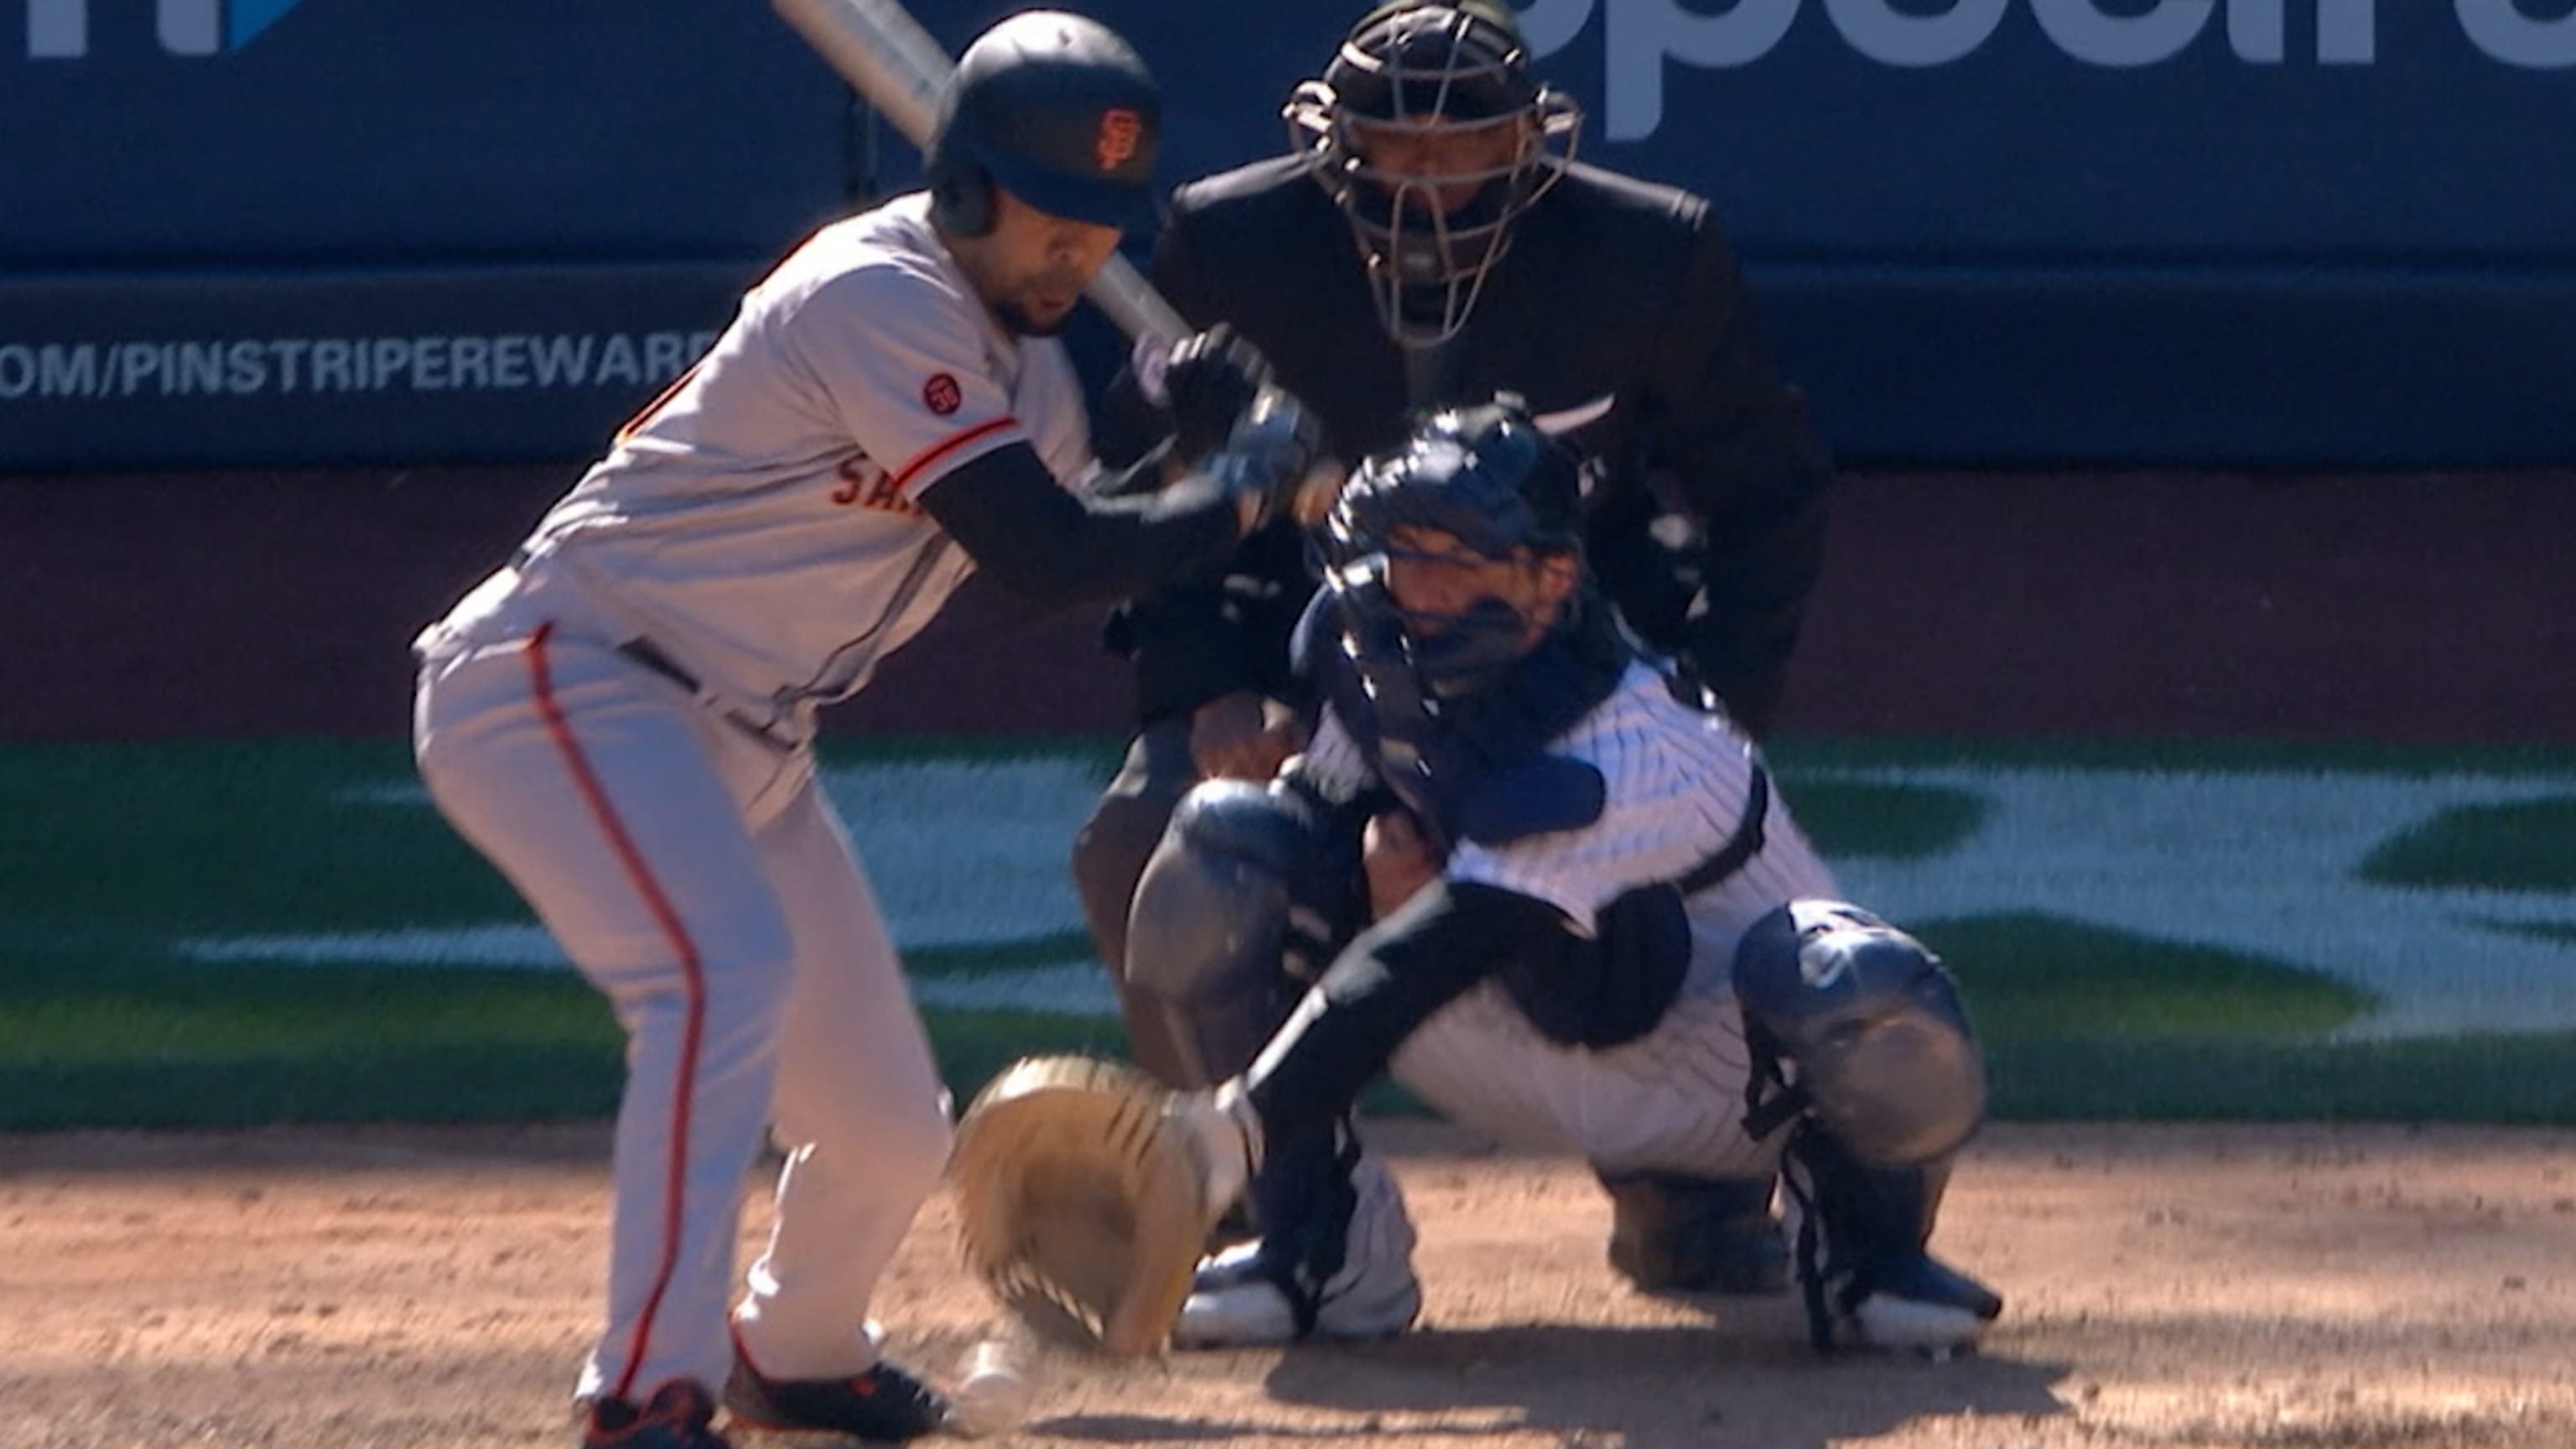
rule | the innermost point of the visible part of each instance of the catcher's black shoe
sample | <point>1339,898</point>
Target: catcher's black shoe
<point>1671,1233</point>
<point>884,1403</point>
<point>679,1415</point>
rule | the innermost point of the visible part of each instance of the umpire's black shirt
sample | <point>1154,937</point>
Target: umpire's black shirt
<point>1609,286</point>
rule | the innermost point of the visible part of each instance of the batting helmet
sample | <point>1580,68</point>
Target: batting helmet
<point>1054,109</point>
<point>1486,476</point>
<point>1410,74</point>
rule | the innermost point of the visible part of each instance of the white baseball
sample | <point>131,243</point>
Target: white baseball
<point>996,1388</point>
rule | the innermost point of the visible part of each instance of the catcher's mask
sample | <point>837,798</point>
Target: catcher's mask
<point>1505,491</point>
<point>1431,133</point>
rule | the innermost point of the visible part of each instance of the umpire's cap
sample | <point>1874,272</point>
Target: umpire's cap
<point>1057,110</point>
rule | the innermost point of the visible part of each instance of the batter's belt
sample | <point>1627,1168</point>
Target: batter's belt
<point>651,656</point>
<point>646,653</point>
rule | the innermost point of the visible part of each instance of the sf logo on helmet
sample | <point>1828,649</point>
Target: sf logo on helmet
<point>1120,129</point>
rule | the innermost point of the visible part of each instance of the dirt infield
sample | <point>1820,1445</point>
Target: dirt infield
<point>2177,1287</point>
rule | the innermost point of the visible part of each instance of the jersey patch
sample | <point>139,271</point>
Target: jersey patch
<point>941,394</point>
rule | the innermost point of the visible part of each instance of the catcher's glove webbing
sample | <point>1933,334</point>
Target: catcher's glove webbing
<point>1083,1203</point>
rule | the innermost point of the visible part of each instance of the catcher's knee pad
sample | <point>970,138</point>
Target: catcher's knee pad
<point>1858,1025</point>
<point>1250,884</point>
<point>1671,1233</point>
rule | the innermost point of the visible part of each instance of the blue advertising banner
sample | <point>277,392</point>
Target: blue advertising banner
<point>1982,231</point>
<point>456,366</point>
<point>2059,131</point>
<point>359,133</point>
<point>313,231</point>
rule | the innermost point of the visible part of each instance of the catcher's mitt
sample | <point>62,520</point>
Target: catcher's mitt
<point>1081,1201</point>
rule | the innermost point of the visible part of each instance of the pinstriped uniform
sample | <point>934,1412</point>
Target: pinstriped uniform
<point>1677,782</point>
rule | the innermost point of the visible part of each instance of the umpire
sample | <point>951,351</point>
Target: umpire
<point>1429,240</point>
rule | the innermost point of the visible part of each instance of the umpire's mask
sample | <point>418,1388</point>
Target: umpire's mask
<point>1432,134</point>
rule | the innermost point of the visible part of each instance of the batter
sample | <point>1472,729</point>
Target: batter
<point>622,718</point>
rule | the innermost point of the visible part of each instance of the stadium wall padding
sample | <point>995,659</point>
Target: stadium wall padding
<point>1983,232</point>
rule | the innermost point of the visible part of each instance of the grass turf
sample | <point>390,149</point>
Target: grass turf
<point>118,850</point>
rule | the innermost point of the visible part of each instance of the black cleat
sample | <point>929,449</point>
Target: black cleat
<point>1917,1302</point>
<point>883,1403</point>
<point>1676,1234</point>
<point>679,1415</point>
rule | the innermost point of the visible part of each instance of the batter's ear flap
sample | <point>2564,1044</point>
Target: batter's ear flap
<point>961,192</point>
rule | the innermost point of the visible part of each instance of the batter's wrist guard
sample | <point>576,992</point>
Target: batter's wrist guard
<point>1269,454</point>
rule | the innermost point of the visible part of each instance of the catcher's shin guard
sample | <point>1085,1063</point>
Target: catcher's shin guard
<point>1863,1051</point>
<point>1860,1254</point>
<point>1250,892</point>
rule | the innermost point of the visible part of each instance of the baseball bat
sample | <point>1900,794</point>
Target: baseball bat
<point>881,50</point>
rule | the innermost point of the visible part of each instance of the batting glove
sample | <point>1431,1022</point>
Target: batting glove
<point>1267,457</point>
<point>1209,381</point>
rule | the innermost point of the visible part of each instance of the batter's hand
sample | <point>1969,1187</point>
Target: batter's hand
<point>1208,381</point>
<point>1396,860</point>
<point>1274,461</point>
<point>1242,736</point>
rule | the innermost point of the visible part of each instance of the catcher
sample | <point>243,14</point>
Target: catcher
<point>1596,929</point>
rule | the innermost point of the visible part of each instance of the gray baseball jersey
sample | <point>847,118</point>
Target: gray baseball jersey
<point>621,719</point>
<point>761,522</point>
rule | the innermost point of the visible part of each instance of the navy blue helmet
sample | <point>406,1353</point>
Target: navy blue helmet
<point>1484,475</point>
<point>1055,109</point>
